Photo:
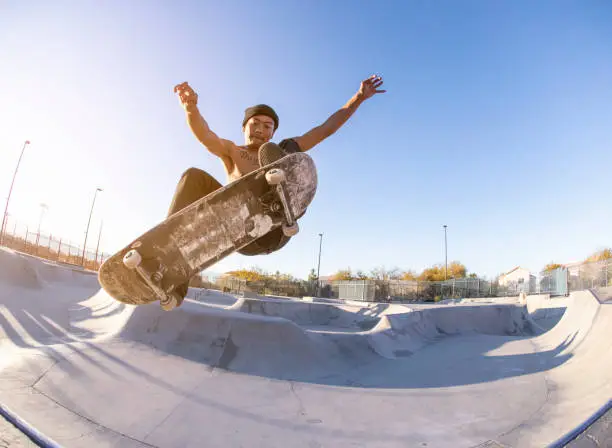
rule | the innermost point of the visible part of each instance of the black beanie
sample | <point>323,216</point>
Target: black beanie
<point>260,109</point>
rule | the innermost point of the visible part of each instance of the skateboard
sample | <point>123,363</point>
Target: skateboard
<point>168,255</point>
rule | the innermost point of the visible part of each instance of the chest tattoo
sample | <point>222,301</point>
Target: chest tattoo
<point>251,157</point>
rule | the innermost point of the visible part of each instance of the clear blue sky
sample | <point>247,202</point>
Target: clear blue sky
<point>497,121</point>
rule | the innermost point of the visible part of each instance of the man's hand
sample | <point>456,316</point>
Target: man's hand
<point>369,87</point>
<point>187,96</point>
<point>197,124</point>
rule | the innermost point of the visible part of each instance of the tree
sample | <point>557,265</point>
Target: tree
<point>248,275</point>
<point>360,275</point>
<point>409,275</point>
<point>343,275</point>
<point>552,266</point>
<point>456,270</point>
<point>437,273</point>
<point>381,273</point>
<point>432,274</point>
<point>395,274</point>
<point>600,255</point>
<point>377,273</point>
<point>312,277</point>
<point>285,277</point>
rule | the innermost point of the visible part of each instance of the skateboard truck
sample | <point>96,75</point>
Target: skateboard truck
<point>168,299</point>
<point>275,178</point>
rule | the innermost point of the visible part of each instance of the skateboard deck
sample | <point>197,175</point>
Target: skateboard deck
<point>152,266</point>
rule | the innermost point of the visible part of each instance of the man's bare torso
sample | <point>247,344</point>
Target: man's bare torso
<point>241,161</point>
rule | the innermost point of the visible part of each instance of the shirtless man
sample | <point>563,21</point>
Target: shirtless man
<point>259,125</point>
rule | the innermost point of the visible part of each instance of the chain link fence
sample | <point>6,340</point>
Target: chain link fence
<point>413,290</point>
<point>558,282</point>
<point>269,286</point>
<point>20,237</point>
<point>596,274</point>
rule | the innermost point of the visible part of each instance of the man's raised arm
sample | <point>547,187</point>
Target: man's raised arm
<point>197,124</point>
<point>368,88</point>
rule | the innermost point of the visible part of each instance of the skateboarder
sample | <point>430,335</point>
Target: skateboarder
<point>259,125</point>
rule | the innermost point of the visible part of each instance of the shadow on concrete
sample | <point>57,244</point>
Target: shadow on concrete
<point>424,370</point>
<point>29,321</point>
<point>347,360</point>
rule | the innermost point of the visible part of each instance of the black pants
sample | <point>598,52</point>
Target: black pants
<point>195,184</point>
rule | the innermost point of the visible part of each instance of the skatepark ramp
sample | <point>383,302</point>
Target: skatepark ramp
<point>84,370</point>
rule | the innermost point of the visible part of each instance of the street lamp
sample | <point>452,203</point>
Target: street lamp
<point>87,231</point>
<point>99,236</point>
<point>319,266</point>
<point>445,255</point>
<point>27,142</point>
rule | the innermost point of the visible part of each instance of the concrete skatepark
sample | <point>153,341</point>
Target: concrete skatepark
<point>79,369</point>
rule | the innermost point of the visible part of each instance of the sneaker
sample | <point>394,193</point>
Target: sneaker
<point>270,153</point>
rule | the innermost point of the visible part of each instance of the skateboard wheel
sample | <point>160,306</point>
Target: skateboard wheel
<point>275,176</point>
<point>171,303</point>
<point>132,259</point>
<point>291,230</point>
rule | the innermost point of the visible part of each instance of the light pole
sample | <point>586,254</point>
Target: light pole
<point>99,236</point>
<point>87,231</point>
<point>27,142</point>
<point>319,266</point>
<point>445,255</point>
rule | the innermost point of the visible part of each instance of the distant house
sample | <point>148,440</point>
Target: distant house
<point>519,278</point>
